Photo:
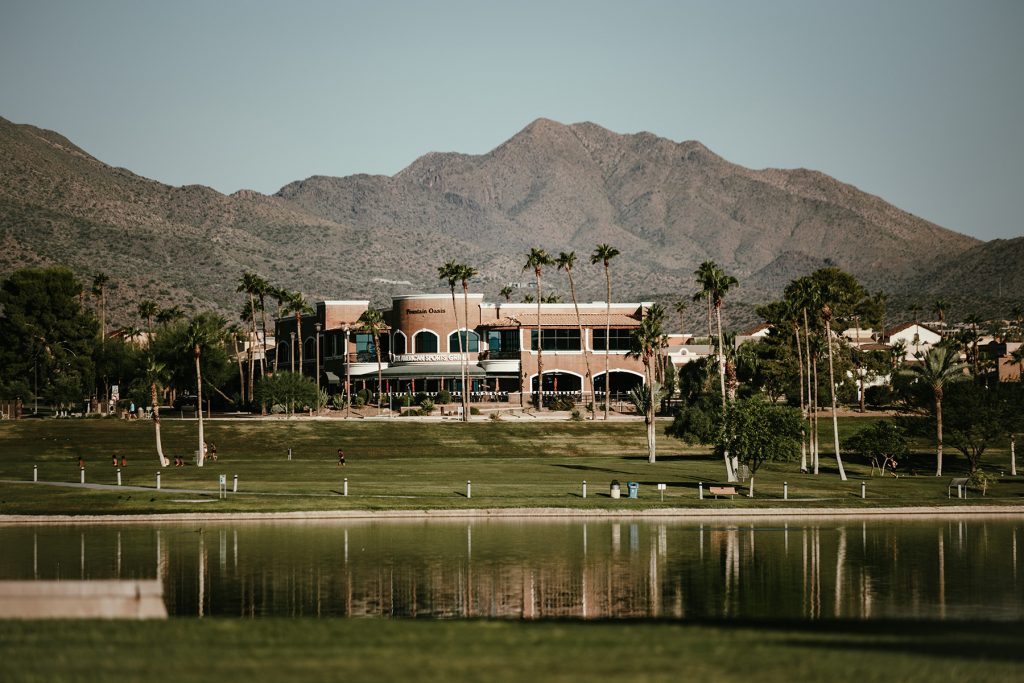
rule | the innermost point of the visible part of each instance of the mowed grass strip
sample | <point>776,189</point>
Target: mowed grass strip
<point>408,650</point>
<point>425,465</point>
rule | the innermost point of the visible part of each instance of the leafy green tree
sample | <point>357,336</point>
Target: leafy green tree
<point>883,444</point>
<point>48,338</point>
<point>604,253</point>
<point>937,369</point>
<point>756,432</point>
<point>287,389</point>
<point>536,260</point>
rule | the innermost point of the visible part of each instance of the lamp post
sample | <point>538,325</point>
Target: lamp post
<point>318,327</point>
<point>348,377</point>
<point>291,353</point>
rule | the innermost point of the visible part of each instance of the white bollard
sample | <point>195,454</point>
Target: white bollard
<point>35,473</point>
<point>81,475</point>
<point>700,490</point>
<point>118,476</point>
<point>785,490</point>
<point>584,488</point>
<point>234,485</point>
<point>157,481</point>
<point>469,489</point>
<point>289,454</point>
<point>863,489</point>
<point>344,487</point>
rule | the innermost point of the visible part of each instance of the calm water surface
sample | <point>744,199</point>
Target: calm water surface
<point>540,569</point>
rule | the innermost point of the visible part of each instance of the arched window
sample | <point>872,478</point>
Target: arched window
<point>472,344</point>
<point>425,341</point>
<point>282,353</point>
<point>308,349</point>
<point>399,342</point>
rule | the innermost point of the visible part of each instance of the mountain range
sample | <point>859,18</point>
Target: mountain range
<point>667,206</point>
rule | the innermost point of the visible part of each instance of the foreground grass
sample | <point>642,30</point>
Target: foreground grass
<point>385,650</point>
<point>420,465</point>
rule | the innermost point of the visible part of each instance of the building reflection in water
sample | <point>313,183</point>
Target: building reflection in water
<point>528,569</point>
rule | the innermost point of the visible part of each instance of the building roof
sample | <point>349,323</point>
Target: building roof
<point>904,326</point>
<point>564,320</point>
<point>760,327</point>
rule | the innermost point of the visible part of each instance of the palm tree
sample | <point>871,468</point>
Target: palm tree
<point>281,297</point>
<point>604,253</point>
<point>466,273</point>
<point>715,284</point>
<point>248,316</point>
<point>801,296</point>
<point>706,272</point>
<point>551,298</point>
<point>155,374</point>
<point>566,262</point>
<point>974,320</point>
<point>536,260</point>
<point>939,308</point>
<point>298,305</point>
<point>826,315</point>
<point>262,289</point>
<point>147,310</point>
<point>168,315</point>
<point>372,322</point>
<point>529,298</point>
<point>680,306</point>
<point>937,368</point>
<point>450,271</point>
<point>99,289</point>
<point>198,336</point>
<point>506,292</point>
<point>646,343</point>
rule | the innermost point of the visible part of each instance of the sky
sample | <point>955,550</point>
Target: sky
<point>920,102</point>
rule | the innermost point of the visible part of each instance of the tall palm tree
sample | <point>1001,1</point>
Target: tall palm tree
<point>372,321</point>
<point>974,320</point>
<point>680,306</point>
<point>536,260</point>
<point>466,273</point>
<point>166,316</point>
<point>826,315</point>
<point>706,272</point>
<point>198,336</point>
<point>450,272</point>
<point>566,262</point>
<point>939,308</point>
<point>155,374</point>
<point>298,305</point>
<point>801,296</point>
<point>248,316</point>
<point>147,311</point>
<point>646,343</point>
<point>281,297</point>
<point>604,253</point>
<point>937,368</point>
<point>506,292</point>
<point>262,289</point>
<point>99,289</point>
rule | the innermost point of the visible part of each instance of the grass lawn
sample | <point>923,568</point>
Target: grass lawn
<point>425,465</point>
<point>389,650</point>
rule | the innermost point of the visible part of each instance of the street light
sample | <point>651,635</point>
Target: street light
<point>291,353</point>
<point>318,327</point>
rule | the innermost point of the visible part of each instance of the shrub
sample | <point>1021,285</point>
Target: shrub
<point>982,480</point>
<point>560,403</point>
<point>414,412</point>
<point>338,401</point>
<point>427,407</point>
<point>495,416</point>
<point>473,410</point>
<point>364,395</point>
<point>576,416</point>
<point>358,401</point>
<point>878,396</point>
<point>405,401</point>
<point>420,397</point>
<point>444,397</point>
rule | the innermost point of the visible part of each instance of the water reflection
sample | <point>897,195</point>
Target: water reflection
<point>527,569</point>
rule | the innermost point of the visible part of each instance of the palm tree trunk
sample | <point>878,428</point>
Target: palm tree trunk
<point>803,406</point>
<point>252,366</point>
<point>298,338</point>
<point>540,349</point>
<point>380,376</point>
<point>465,354</point>
<point>815,445</point>
<point>810,425</point>
<point>201,459</point>
<point>1013,455</point>
<point>586,356</point>
<point>458,334</point>
<point>156,425</point>
<point>729,470</point>
<point>263,344</point>
<point>938,434</point>
<point>241,372</point>
<point>832,388</point>
<point>607,333</point>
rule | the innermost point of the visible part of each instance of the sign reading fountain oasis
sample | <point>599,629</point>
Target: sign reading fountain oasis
<point>424,311</point>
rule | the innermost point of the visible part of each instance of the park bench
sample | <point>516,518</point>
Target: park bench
<point>958,483</point>
<point>717,491</point>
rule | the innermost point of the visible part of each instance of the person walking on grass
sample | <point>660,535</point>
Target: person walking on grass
<point>341,458</point>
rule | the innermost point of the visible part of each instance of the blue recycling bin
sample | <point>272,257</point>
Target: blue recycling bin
<point>634,489</point>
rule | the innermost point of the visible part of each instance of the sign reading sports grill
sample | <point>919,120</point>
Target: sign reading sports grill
<point>424,311</point>
<point>427,357</point>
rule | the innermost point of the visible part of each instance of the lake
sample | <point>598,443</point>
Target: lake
<point>542,569</point>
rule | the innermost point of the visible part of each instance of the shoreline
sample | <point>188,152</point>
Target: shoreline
<point>677,514</point>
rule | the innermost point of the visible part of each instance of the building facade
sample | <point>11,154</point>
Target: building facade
<point>426,339</point>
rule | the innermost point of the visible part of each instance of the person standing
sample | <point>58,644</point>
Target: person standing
<point>341,458</point>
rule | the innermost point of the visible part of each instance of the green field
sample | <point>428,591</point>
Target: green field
<point>387,650</point>
<point>425,465</point>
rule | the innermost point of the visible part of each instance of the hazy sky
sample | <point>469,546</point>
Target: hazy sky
<point>920,102</point>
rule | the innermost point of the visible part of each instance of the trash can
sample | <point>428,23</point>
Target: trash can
<point>634,489</point>
<point>616,491</point>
